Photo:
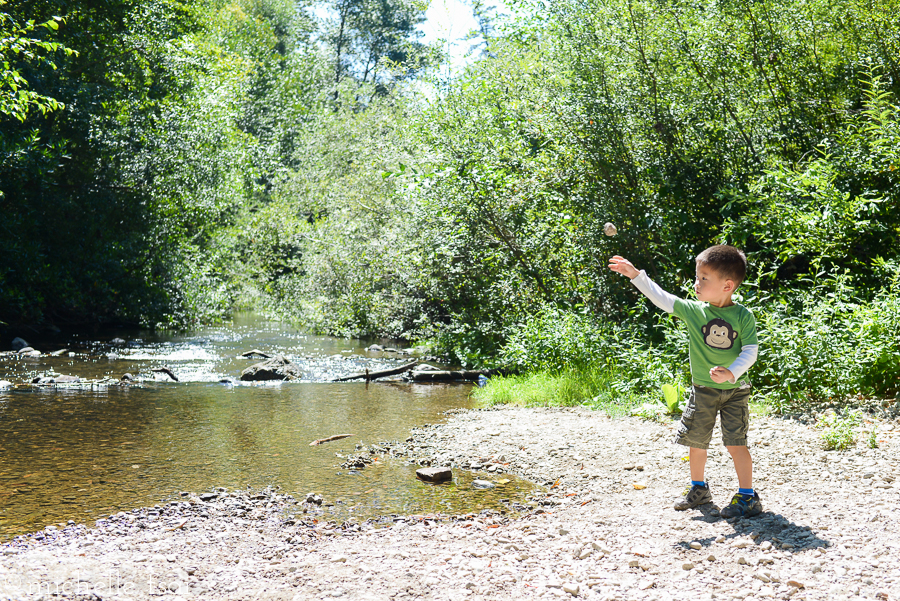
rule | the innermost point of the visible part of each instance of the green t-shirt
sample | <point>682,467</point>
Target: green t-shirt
<point>716,335</point>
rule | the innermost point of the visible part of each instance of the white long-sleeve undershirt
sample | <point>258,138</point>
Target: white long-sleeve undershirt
<point>666,301</point>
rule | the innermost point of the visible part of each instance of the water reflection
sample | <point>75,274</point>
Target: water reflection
<point>82,453</point>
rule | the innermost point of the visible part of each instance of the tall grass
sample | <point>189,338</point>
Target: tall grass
<point>591,386</point>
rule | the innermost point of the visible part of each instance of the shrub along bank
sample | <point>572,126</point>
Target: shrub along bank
<point>822,346</point>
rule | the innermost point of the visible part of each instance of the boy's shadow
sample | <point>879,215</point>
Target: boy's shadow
<point>772,527</point>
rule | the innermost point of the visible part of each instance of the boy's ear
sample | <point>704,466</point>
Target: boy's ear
<point>730,286</point>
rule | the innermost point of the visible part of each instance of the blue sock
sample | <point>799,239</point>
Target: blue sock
<point>746,491</point>
<point>696,483</point>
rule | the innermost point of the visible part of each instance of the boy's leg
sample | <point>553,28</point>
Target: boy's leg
<point>695,432</point>
<point>735,424</point>
<point>735,414</point>
<point>698,463</point>
<point>743,465</point>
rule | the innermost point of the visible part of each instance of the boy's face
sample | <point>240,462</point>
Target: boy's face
<point>711,287</point>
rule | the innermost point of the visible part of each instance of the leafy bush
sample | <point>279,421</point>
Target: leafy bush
<point>872,439</point>
<point>837,210</point>
<point>674,398</point>
<point>838,431</point>
<point>825,344</point>
<point>818,345</point>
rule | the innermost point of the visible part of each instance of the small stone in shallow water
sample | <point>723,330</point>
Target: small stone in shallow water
<point>434,474</point>
<point>482,484</point>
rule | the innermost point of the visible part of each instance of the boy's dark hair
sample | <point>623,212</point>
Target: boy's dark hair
<point>729,262</point>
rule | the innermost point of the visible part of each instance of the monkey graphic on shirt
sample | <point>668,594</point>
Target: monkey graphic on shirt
<point>719,334</point>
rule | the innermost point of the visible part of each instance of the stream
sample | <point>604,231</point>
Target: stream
<point>81,452</point>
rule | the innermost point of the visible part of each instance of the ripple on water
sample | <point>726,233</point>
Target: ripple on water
<point>82,453</point>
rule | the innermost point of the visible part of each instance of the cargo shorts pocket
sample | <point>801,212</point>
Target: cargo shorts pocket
<point>687,416</point>
<point>735,416</point>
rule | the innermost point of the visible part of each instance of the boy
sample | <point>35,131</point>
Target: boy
<point>723,346</point>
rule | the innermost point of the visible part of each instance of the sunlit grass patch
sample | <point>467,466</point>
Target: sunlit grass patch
<point>760,408</point>
<point>592,387</point>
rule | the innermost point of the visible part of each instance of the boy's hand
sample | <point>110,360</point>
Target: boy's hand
<point>720,375</point>
<point>623,266</point>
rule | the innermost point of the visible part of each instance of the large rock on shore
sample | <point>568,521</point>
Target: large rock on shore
<point>276,368</point>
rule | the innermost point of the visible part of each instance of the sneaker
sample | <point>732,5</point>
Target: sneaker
<point>743,506</point>
<point>694,496</point>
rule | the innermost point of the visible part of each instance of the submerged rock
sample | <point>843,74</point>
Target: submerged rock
<point>434,474</point>
<point>276,368</point>
<point>482,484</point>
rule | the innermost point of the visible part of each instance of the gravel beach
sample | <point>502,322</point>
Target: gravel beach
<point>604,528</point>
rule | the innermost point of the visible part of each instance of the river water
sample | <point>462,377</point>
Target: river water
<point>81,452</point>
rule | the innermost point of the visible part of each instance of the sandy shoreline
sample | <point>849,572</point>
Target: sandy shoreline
<point>606,530</point>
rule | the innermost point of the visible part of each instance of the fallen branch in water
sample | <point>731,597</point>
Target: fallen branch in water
<point>374,375</point>
<point>165,370</point>
<point>468,375</point>
<point>329,439</point>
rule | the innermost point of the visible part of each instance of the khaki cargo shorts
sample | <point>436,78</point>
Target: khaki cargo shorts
<point>699,417</point>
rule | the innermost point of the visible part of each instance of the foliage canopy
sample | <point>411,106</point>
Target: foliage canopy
<point>164,162</point>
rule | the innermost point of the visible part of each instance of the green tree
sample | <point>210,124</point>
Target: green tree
<point>18,45</point>
<point>368,39</point>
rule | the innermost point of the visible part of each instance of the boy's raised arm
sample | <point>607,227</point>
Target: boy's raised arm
<point>648,287</point>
